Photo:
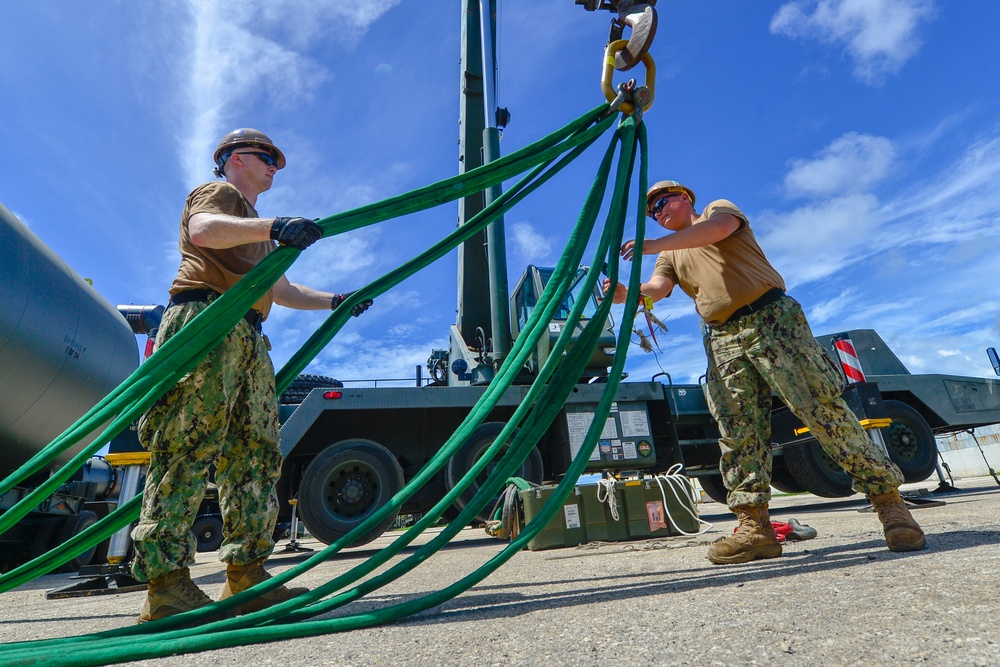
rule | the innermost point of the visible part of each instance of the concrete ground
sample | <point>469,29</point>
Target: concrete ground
<point>839,599</point>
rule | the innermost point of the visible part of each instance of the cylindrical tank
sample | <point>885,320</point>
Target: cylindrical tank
<point>62,346</point>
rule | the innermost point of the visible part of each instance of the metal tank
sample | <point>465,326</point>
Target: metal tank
<point>62,346</point>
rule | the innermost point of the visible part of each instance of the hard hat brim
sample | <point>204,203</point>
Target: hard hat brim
<point>663,187</point>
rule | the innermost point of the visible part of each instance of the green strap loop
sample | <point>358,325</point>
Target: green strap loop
<point>116,646</point>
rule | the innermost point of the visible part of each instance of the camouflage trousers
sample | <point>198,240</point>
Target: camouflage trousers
<point>774,350</point>
<point>224,412</point>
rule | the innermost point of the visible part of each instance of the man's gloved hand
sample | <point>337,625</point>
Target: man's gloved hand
<point>357,310</point>
<point>297,232</point>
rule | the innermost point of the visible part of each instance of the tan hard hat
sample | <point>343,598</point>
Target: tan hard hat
<point>664,187</point>
<point>246,137</point>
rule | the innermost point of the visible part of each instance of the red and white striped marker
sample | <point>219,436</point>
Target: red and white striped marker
<point>849,359</point>
<point>852,369</point>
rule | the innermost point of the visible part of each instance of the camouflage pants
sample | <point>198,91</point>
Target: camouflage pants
<point>774,350</point>
<point>223,412</point>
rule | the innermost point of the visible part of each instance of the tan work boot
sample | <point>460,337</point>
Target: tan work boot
<point>241,577</point>
<point>173,593</point>
<point>753,539</point>
<point>901,532</point>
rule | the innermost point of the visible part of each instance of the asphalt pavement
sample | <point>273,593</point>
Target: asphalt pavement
<point>838,599</point>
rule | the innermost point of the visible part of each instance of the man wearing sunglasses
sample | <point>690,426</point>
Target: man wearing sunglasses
<point>224,412</point>
<point>758,341</point>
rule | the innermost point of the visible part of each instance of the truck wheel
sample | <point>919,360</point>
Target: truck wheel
<point>344,485</point>
<point>815,471</point>
<point>471,451</point>
<point>910,442</point>
<point>45,536</point>
<point>208,531</point>
<point>303,384</point>
<point>782,479</point>
<point>73,526</point>
<point>714,487</point>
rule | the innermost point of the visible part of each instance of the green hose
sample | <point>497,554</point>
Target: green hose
<point>177,351</point>
<point>532,424</point>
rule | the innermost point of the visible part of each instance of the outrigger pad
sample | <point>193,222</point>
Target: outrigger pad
<point>98,580</point>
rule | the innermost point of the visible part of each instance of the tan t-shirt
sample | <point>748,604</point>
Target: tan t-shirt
<point>218,269</point>
<point>723,276</point>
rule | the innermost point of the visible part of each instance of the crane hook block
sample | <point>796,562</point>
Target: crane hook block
<point>642,19</point>
<point>646,99</point>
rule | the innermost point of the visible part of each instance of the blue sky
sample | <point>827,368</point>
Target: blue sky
<point>861,137</point>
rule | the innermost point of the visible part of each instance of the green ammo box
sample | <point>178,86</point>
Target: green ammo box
<point>648,514</point>
<point>566,527</point>
<point>600,524</point>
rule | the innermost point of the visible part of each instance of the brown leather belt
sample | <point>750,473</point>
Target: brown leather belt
<point>767,299</point>
<point>253,317</point>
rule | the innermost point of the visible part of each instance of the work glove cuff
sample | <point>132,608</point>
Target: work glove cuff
<point>338,299</point>
<point>296,232</point>
<point>357,309</point>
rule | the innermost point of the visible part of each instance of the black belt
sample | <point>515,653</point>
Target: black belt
<point>253,317</point>
<point>769,297</point>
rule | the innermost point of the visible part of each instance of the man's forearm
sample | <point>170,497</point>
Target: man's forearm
<point>300,297</point>
<point>215,230</point>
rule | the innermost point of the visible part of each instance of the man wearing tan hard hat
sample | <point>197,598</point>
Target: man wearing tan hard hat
<point>224,413</point>
<point>758,341</point>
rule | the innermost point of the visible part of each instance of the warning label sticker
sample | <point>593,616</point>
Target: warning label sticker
<point>572,513</point>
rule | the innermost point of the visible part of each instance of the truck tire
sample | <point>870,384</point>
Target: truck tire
<point>73,526</point>
<point>714,487</point>
<point>910,442</point>
<point>303,384</point>
<point>208,532</point>
<point>815,471</point>
<point>782,479</point>
<point>470,452</point>
<point>44,537</point>
<point>344,485</point>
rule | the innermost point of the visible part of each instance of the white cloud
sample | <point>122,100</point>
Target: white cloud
<point>529,245</point>
<point>339,265</point>
<point>22,218</point>
<point>825,311</point>
<point>956,205</point>
<point>878,35</point>
<point>917,263</point>
<point>815,241</point>
<point>952,210</point>
<point>375,357</point>
<point>243,51</point>
<point>850,164</point>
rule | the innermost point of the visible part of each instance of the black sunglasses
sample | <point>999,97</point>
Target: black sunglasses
<point>661,202</point>
<point>266,158</point>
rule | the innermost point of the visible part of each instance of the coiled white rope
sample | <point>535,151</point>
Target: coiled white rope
<point>674,480</point>
<point>608,485</point>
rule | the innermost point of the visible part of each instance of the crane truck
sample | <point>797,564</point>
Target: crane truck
<point>347,451</point>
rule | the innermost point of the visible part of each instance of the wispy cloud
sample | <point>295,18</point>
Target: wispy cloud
<point>917,260</point>
<point>242,52</point>
<point>530,246</point>
<point>825,311</point>
<point>951,207</point>
<point>814,241</point>
<point>850,164</point>
<point>878,35</point>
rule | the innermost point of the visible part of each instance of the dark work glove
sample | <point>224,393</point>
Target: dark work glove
<point>296,232</point>
<point>357,310</point>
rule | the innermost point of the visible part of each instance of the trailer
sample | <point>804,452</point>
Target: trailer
<point>63,347</point>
